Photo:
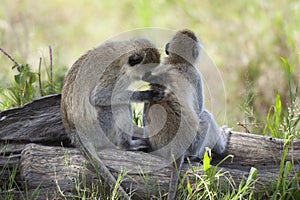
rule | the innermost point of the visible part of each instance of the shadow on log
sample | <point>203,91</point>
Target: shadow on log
<point>33,139</point>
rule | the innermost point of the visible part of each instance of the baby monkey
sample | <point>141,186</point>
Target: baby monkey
<point>95,103</point>
<point>188,128</point>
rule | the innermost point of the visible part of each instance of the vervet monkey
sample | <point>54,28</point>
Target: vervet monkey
<point>184,128</point>
<point>95,103</point>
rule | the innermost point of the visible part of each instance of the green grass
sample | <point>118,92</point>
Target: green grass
<point>212,184</point>
<point>9,187</point>
<point>254,44</point>
<point>209,185</point>
<point>280,123</point>
<point>244,39</point>
<point>27,84</point>
<point>286,189</point>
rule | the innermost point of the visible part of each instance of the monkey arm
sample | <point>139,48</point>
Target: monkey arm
<point>155,80</point>
<point>147,96</point>
<point>100,96</point>
<point>106,96</point>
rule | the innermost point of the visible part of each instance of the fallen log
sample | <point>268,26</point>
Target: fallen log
<point>38,122</point>
<point>59,169</point>
<point>34,143</point>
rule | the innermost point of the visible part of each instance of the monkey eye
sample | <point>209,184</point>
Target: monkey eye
<point>135,59</point>
<point>167,48</point>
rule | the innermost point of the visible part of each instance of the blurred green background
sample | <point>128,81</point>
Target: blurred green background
<point>245,39</point>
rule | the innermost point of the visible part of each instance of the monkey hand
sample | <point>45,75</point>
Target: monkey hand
<point>147,96</point>
<point>157,95</point>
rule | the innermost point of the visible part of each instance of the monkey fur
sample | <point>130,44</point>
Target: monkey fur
<point>188,128</point>
<point>95,105</point>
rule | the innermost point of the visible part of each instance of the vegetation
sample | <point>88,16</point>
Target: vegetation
<point>27,84</point>
<point>247,38</point>
<point>254,44</point>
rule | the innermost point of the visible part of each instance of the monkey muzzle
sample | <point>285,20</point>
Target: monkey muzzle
<point>154,79</point>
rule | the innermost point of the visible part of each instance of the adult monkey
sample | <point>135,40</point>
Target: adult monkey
<point>95,103</point>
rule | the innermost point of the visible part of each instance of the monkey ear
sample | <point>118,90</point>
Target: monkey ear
<point>167,48</point>
<point>135,59</point>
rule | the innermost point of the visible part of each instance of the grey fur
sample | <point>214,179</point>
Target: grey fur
<point>188,128</point>
<point>95,102</point>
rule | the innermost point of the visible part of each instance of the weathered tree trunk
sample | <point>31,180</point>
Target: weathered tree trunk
<point>34,142</point>
<point>38,122</point>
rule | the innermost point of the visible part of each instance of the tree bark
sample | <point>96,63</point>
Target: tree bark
<point>33,142</point>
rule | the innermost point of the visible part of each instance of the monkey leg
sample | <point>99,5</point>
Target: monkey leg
<point>209,135</point>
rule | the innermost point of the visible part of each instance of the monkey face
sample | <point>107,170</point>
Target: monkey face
<point>141,62</point>
<point>158,76</point>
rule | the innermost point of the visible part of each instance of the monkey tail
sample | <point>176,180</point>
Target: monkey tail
<point>175,177</point>
<point>106,175</point>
